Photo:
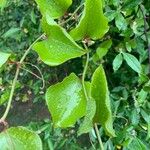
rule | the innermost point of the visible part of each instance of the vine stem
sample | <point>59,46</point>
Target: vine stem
<point>86,95</point>
<point>83,76</point>
<point>99,137</point>
<point>16,77</point>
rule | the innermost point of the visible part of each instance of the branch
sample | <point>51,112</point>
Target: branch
<point>145,32</point>
<point>15,79</point>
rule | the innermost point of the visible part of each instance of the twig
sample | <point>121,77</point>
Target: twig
<point>38,69</point>
<point>16,77</point>
<point>27,70</point>
<point>72,15</point>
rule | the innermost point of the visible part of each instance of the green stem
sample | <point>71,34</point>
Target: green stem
<point>99,137</point>
<point>86,96</point>
<point>83,76</point>
<point>16,77</point>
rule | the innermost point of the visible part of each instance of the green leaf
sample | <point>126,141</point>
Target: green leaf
<point>131,4</point>
<point>120,22</point>
<point>54,8</point>
<point>19,138</point>
<point>142,96</point>
<point>132,62</point>
<point>3,58</point>
<point>58,47</point>
<point>87,123</point>
<point>145,116</point>
<point>136,144</point>
<point>93,23</point>
<point>3,3</point>
<point>99,92</point>
<point>4,97</point>
<point>103,48</point>
<point>146,87</point>
<point>66,101</point>
<point>11,32</point>
<point>117,62</point>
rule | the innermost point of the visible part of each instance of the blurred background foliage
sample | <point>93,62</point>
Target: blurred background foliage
<point>129,32</point>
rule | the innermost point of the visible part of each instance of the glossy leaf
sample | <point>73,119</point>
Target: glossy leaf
<point>93,23</point>
<point>103,48</point>
<point>132,62</point>
<point>99,92</point>
<point>117,62</point>
<point>54,8</point>
<point>19,138</point>
<point>58,47</point>
<point>3,58</point>
<point>87,124</point>
<point>66,101</point>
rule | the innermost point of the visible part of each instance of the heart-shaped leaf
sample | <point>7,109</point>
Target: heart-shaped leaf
<point>19,138</point>
<point>53,8</point>
<point>66,101</point>
<point>99,92</point>
<point>3,58</point>
<point>93,23</point>
<point>59,47</point>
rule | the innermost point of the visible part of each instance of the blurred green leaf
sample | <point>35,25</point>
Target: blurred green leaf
<point>103,48</point>
<point>11,32</point>
<point>142,96</point>
<point>3,58</point>
<point>131,4</point>
<point>4,97</point>
<point>3,3</point>
<point>120,22</point>
<point>145,116</point>
<point>136,144</point>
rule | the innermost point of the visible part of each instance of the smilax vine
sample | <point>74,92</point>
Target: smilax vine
<point>73,98</point>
